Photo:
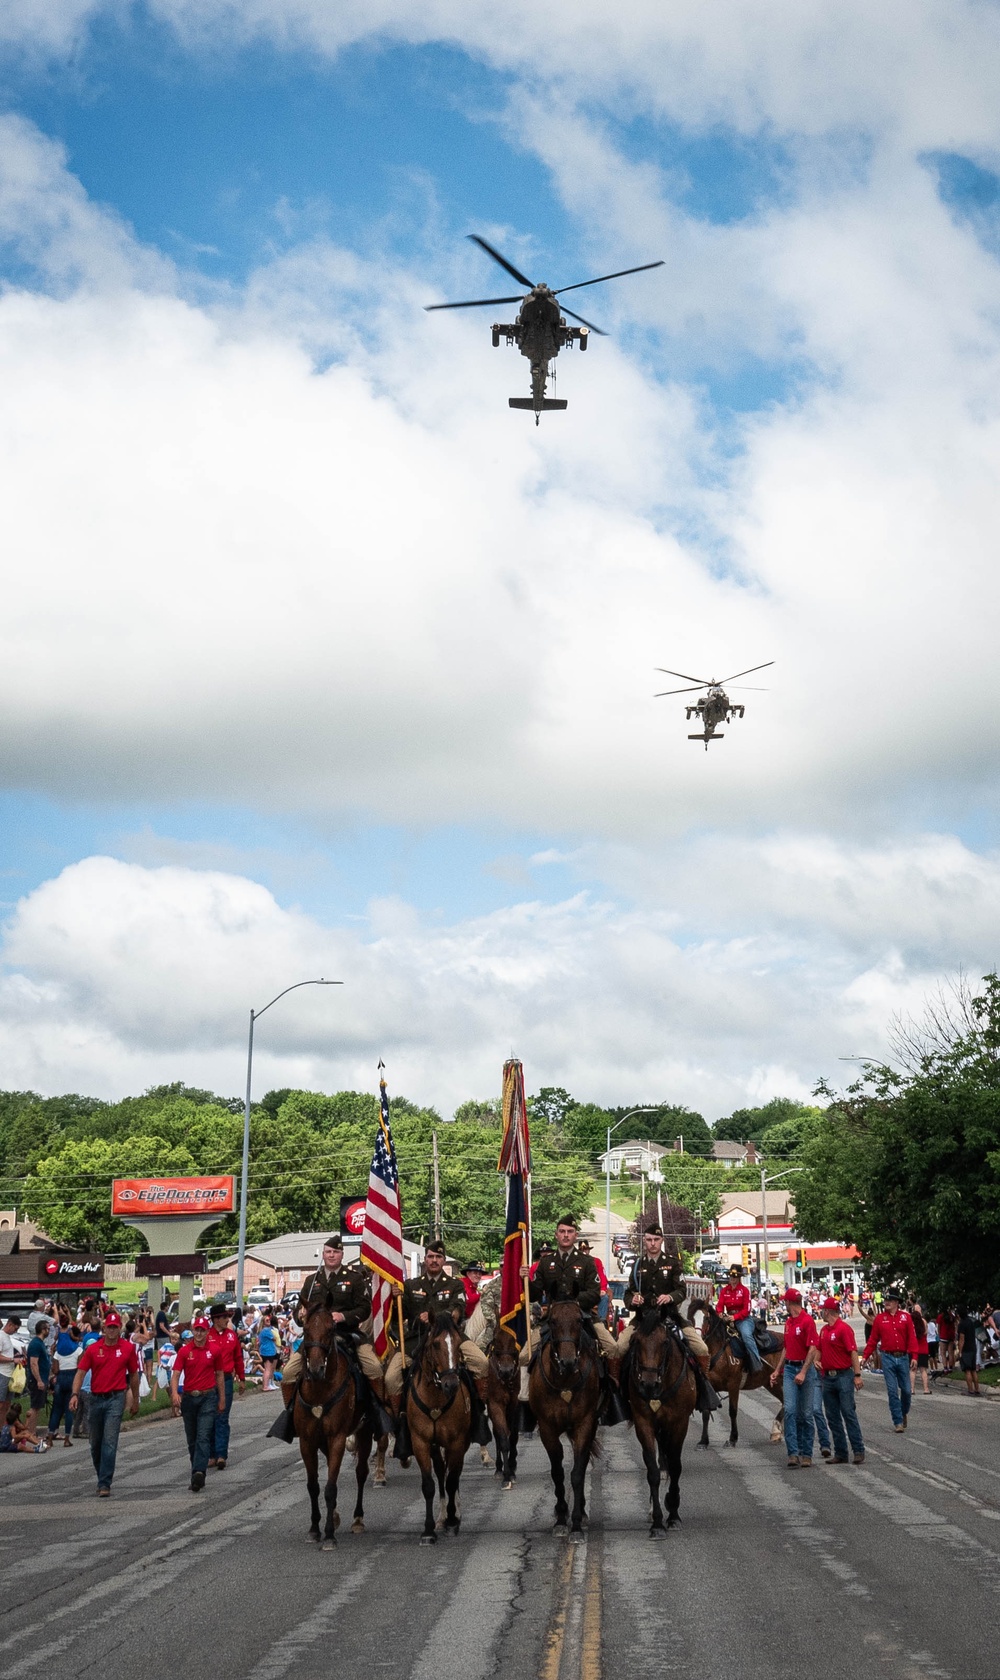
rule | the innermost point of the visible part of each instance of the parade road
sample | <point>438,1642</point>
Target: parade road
<point>889,1570</point>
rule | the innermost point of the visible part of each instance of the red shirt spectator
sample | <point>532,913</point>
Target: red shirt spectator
<point>199,1365</point>
<point>734,1298</point>
<point>800,1336</point>
<point>946,1327</point>
<point>228,1348</point>
<point>110,1365</point>
<point>893,1333</point>
<point>836,1346</point>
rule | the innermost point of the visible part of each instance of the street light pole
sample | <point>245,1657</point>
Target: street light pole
<point>607,1181</point>
<point>764,1182</point>
<point>255,1015</point>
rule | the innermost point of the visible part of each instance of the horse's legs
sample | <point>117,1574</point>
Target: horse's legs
<point>364,1447</point>
<point>453,1515</point>
<point>334,1458</point>
<point>501,1440</point>
<point>578,1475</point>
<point>675,1442</point>
<point>512,1456</point>
<point>437,1460</point>
<point>378,1480</point>
<point>553,1446</point>
<point>429,1536</point>
<point>646,1437</point>
<point>310,1458</point>
<point>734,1401</point>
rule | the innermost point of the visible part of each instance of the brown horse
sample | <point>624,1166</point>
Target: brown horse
<point>727,1372</point>
<point>662,1394</point>
<point>439,1414</point>
<point>328,1408</point>
<point>503,1388</point>
<point>564,1392</point>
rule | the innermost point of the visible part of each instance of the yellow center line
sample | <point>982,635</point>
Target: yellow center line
<point>556,1635</point>
<point>590,1645</point>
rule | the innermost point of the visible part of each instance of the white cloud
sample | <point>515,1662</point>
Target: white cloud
<point>118,976</point>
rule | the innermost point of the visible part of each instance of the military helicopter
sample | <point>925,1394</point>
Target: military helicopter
<point>715,707</point>
<point>539,329</point>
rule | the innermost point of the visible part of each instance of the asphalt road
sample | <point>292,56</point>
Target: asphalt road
<point>888,1571</point>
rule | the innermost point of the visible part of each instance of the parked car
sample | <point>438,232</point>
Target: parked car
<point>261,1295</point>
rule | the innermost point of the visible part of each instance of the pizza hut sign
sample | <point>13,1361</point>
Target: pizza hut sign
<point>87,1269</point>
<point>352,1216</point>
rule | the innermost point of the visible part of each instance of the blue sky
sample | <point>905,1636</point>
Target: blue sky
<point>307,634</point>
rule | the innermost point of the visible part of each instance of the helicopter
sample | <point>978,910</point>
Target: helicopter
<point>715,707</point>
<point>539,329</point>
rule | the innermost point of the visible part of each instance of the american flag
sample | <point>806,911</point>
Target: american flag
<point>382,1242</point>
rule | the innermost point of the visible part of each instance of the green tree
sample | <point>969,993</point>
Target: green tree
<point>69,1194</point>
<point>906,1164</point>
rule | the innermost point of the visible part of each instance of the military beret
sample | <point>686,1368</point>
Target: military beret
<point>336,1241</point>
<point>435,1248</point>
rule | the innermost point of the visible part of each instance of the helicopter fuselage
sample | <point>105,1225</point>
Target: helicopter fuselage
<point>713,708</point>
<point>540,332</point>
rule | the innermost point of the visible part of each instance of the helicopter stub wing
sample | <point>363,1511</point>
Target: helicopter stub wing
<point>543,407</point>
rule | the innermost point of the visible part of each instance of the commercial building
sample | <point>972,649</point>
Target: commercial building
<point>282,1263</point>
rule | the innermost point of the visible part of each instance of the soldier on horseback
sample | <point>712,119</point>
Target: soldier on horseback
<point>424,1297</point>
<point>347,1289</point>
<point>657,1281</point>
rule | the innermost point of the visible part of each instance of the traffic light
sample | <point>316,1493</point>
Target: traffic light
<point>802,1259</point>
<point>746,1257</point>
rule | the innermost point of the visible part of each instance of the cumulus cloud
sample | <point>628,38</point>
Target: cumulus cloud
<point>116,976</point>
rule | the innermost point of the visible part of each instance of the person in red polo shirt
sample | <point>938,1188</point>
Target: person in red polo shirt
<point>734,1302</point>
<point>224,1342</point>
<point>797,1366</point>
<point>840,1363</point>
<point>892,1333</point>
<point>204,1397</point>
<point>114,1374</point>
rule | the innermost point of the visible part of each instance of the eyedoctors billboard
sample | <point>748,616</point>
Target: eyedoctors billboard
<point>164,1196</point>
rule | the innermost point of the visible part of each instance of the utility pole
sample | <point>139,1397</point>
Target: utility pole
<point>437,1189</point>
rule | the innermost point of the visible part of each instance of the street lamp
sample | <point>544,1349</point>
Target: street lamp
<point>255,1015</point>
<point>607,1179</point>
<point>764,1182</point>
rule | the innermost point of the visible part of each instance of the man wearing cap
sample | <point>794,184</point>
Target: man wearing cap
<point>228,1349</point>
<point>656,1280</point>
<point>734,1303</point>
<point>114,1390</point>
<point>893,1335</point>
<point>840,1363</point>
<point>424,1297</point>
<point>204,1398</point>
<point>797,1366</point>
<point>347,1289</point>
<point>472,1277</point>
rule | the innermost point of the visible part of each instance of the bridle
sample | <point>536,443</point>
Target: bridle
<point>436,1375</point>
<point>330,1348</point>
<point>582,1368</point>
<point>651,1390</point>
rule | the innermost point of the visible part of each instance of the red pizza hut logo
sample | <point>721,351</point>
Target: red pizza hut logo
<point>73,1268</point>
<point>354,1219</point>
<point>52,1266</point>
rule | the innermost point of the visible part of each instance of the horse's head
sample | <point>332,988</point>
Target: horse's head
<point>441,1357</point>
<point>565,1333</point>
<point>503,1352</point>
<point>318,1337</point>
<point>650,1355</point>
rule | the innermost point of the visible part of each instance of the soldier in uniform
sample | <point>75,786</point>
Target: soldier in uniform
<point>349,1292</point>
<point>564,1274</point>
<point>657,1280</point>
<point>424,1297</point>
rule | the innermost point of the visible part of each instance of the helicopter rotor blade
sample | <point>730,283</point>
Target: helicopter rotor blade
<point>748,688</point>
<point>521,279</point>
<point>589,324</point>
<point>473,303</point>
<point>602,277</point>
<point>702,682</point>
<point>747,673</point>
<point>665,691</point>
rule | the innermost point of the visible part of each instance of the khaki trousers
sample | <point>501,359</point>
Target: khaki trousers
<point>472,1357</point>
<point>605,1341</point>
<point>694,1341</point>
<point>368,1359</point>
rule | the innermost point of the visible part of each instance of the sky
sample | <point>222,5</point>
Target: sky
<point>317,660</point>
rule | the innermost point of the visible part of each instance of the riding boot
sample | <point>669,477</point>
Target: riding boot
<point>283,1427</point>
<point>707,1401</point>
<point>480,1431</point>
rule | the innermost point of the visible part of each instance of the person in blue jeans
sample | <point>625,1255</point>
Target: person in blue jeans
<point>893,1336</point>
<point>840,1362</point>
<point>204,1397</point>
<point>114,1368</point>
<point>797,1369</point>
<point>68,1348</point>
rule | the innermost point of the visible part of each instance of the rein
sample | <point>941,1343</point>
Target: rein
<point>656,1401</point>
<point>568,1392</point>
<point>330,1349</point>
<point>435,1413</point>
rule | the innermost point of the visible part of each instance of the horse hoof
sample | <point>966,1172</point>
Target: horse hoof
<point>357,1527</point>
<point>508,1486</point>
<point>576,1538</point>
<point>657,1534</point>
<point>379,1479</point>
<point>561,1529</point>
<point>314,1534</point>
<point>329,1545</point>
<point>673,1522</point>
<point>428,1539</point>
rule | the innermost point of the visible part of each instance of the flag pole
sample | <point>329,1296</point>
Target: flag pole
<point>402,1338</point>
<point>526,1253</point>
